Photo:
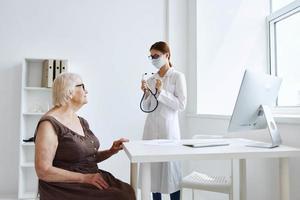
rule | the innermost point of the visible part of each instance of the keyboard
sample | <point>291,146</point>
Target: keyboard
<point>261,145</point>
<point>206,144</point>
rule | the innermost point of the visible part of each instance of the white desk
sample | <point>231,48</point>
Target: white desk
<point>147,152</point>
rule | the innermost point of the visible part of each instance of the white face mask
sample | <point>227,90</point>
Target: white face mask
<point>159,62</point>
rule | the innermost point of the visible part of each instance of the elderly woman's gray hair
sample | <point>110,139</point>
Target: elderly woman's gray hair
<point>63,88</point>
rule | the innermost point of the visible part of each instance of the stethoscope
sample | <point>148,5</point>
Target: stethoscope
<point>151,93</point>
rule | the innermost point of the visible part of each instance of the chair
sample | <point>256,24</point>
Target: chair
<point>200,181</point>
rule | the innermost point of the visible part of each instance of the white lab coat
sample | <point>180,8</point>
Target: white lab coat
<point>163,124</point>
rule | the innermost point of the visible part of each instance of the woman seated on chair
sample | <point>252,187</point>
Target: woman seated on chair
<point>66,150</point>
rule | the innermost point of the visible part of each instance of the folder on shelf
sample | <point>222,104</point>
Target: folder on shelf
<point>64,66</point>
<point>57,69</point>
<point>47,76</point>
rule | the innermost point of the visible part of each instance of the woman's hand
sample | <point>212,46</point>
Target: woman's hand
<point>158,85</point>
<point>96,180</point>
<point>144,85</point>
<point>117,145</point>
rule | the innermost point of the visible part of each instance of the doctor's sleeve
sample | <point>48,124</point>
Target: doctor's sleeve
<point>176,101</point>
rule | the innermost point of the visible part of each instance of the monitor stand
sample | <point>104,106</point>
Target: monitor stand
<point>265,111</point>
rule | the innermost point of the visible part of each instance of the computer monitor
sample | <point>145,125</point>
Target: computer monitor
<point>258,92</point>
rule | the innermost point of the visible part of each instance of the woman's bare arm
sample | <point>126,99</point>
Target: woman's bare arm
<point>45,148</point>
<point>115,148</point>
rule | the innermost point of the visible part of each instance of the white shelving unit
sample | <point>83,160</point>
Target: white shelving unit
<point>35,101</point>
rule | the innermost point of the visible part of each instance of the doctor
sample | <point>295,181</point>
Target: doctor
<point>163,123</point>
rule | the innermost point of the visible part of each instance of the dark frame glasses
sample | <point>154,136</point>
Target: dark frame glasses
<point>81,85</point>
<point>155,56</point>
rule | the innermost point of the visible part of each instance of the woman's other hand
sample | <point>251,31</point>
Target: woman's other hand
<point>96,180</point>
<point>117,145</point>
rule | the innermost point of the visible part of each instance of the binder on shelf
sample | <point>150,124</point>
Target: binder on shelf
<point>63,66</point>
<point>57,69</point>
<point>47,76</point>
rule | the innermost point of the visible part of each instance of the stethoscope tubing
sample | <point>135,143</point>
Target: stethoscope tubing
<point>143,98</point>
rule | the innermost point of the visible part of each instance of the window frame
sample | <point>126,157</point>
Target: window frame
<point>272,19</point>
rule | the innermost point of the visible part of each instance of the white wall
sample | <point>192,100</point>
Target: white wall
<point>106,42</point>
<point>177,36</point>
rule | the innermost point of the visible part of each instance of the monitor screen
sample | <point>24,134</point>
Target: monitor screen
<point>256,90</point>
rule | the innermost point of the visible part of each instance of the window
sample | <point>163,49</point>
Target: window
<point>231,36</point>
<point>277,4</point>
<point>284,37</point>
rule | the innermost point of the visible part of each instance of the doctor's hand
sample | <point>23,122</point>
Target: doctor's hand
<point>117,145</point>
<point>144,85</point>
<point>96,180</point>
<point>158,85</point>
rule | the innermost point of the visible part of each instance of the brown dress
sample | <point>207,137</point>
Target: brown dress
<point>78,154</point>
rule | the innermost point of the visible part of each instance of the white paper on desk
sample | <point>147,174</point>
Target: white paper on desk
<point>162,142</point>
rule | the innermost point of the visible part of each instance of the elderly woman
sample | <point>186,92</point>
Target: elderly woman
<point>66,150</point>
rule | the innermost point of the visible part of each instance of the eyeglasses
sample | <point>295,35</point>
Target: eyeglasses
<point>155,56</point>
<point>80,85</point>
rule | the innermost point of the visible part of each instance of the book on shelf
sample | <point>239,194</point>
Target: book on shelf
<point>63,66</point>
<point>47,76</point>
<point>57,69</point>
